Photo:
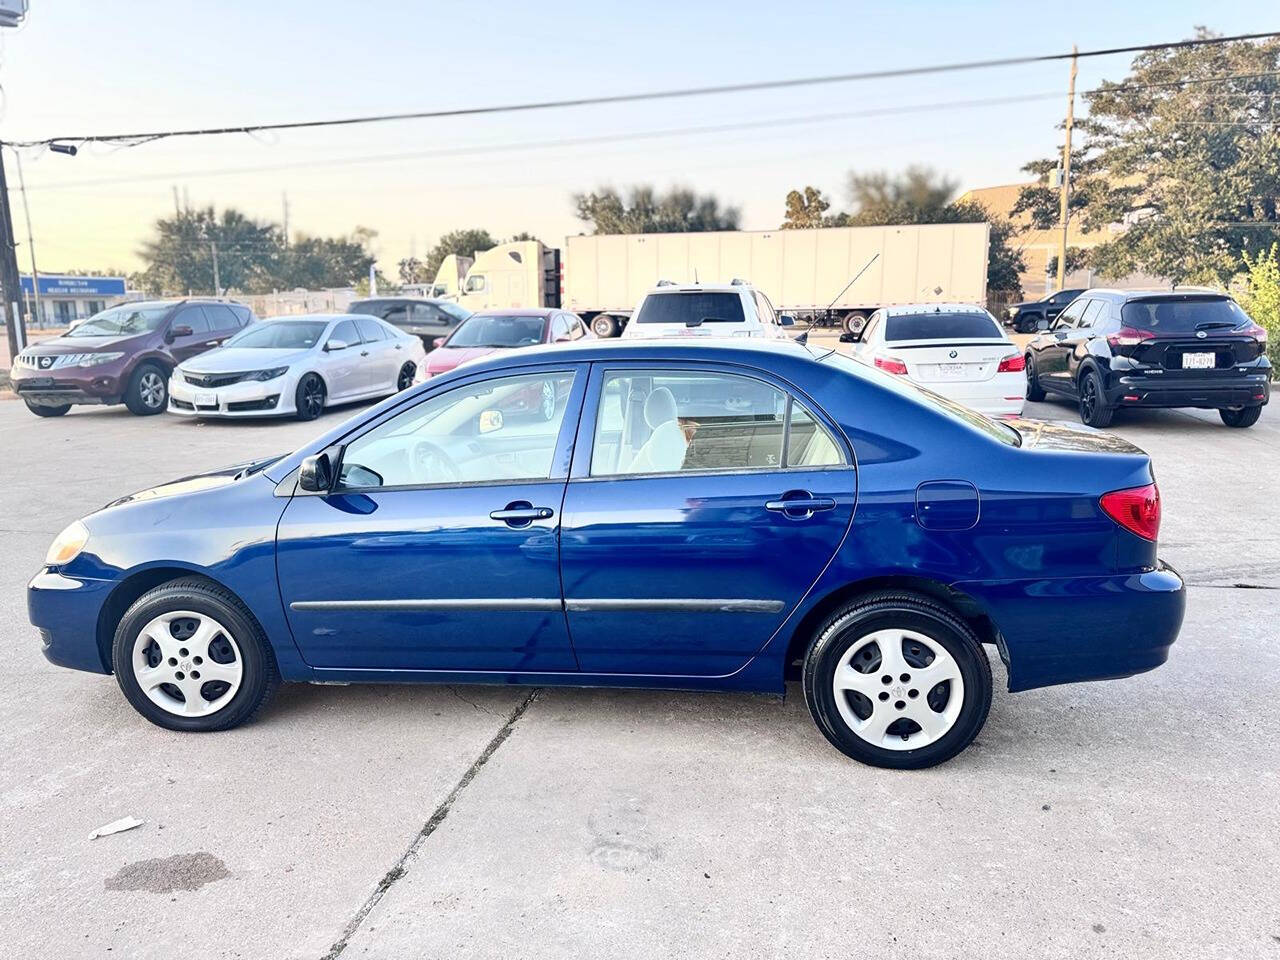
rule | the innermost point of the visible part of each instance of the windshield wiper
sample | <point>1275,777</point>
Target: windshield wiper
<point>700,322</point>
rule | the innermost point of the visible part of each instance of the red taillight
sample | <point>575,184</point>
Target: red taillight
<point>1129,336</point>
<point>1256,331</point>
<point>891,365</point>
<point>1012,364</point>
<point>1137,509</point>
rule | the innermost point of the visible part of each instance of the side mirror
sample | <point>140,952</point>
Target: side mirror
<point>850,337</point>
<point>180,330</point>
<point>335,344</point>
<point>786,320</point>
<point>315,475</point>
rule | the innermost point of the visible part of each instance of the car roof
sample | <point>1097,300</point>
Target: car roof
<point>669,287</point>
<point>543,312</point>
<point>755,353</point>
<point>1147,293</point>
<point>913,309</point>
<point>398,299</point>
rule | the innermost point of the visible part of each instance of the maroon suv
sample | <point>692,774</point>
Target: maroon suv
<point>122,355</point>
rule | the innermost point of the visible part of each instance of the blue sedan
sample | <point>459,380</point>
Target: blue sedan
<point>637,514</point>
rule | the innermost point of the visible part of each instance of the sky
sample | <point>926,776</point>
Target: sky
<point>78,68</point>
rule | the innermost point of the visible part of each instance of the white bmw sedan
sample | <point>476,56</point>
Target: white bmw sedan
<point>955,349</point>
<point>297,366</point>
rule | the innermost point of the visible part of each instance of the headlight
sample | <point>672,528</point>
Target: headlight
<point>95,359</point>
<point>67,545</point>
<point>267,374</point>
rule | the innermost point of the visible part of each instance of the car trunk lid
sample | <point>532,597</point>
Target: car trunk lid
<point>929,361</point>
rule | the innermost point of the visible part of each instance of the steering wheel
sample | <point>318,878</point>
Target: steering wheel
<point>432,465</point>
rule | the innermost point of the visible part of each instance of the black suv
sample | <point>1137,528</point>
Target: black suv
<point>1144,348</point>
<point>1033,315</point>
<point>427,319</point>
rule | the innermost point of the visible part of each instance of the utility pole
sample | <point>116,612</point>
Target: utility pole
<point>9,281</point>
<point>31,241</point>
<point>284,198</point>
<point>217,286</point>
<point>1065,193</point>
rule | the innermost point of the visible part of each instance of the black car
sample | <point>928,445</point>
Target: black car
<point>1036,315</point>
<point>429,320</point>
<point>1142,348</point>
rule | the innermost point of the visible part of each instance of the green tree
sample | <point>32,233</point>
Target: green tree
<point>643,210</point>
<point>412,270</point>
<point>180,256</point>
<point>522,235</point>
<point>806,209</point>
<point>1261,295</point>
<point>1077,259</point>
<point>317,262</point>
<point>1185,152</point>
<point>463,243</point>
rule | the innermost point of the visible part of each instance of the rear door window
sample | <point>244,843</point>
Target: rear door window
<point>346,332</point>
<point>1180,315</point>
<point>940,326</point>
<point>693,306</point>
<point>222,317</point>
<point>371,330</point>
<point>194,318</point>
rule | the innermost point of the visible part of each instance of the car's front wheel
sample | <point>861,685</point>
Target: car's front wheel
<point>189,656</point>
<point>896,680</point>
<point>48,409</point>
<point>1240,416</point>
<point>308,399</point>
<point>148,391</point>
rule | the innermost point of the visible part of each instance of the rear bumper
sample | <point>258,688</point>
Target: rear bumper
<point>1251,390</point>
<point>65,610</point>
<point>1083,628</point>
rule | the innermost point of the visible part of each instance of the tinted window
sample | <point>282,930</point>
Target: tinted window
<point>1064,296</point>
<point>483,330</point>
<point>940,326</point>
<point>427,313</point>
<point>193,317</point>
<point>498,430</point>
<point>282,335</point>
<point>655,421</point>
<point>370,330</point>
<point>222,317</point>
<point>1183,314</point>
<point>382,309</point>
<point>242,314</point>
<point>1070,316</point>
<point>689,307</point>
<point>346,332</point>
<point>1091,311</point>
<point>454,311</point>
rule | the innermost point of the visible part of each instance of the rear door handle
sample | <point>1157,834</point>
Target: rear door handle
<point>799,505</point>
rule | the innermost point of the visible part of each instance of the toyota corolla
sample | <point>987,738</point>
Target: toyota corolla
<point>692,515</point>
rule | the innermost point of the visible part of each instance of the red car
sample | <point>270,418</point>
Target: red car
<point>490,330</point>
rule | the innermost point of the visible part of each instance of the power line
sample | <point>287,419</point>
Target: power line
<point>135,139</point>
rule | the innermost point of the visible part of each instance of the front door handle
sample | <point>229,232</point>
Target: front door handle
<point>364,353</point>
<point>521,513</point>
<point>800,504</point>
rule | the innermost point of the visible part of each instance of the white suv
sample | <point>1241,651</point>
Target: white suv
<point>734,309</point>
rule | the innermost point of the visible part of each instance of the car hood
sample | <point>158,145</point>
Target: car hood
<point>1065,435</point>
<point>444,359</point>
<point>198,482</point>
<point>237,359</point>
<point>55,346</point>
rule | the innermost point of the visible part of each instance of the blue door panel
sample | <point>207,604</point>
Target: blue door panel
<point>691,574</point>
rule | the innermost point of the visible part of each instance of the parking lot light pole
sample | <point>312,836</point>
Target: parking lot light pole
<point>9,281</point>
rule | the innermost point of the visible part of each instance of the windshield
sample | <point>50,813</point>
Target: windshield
<point>125,320</point>
<point>280,335</point>
<point>992,428</point>
<point>454,311</point>
<point>691,307</point>
<point>498,331</point>
<point>1184,314</point>
<point>941,326</point>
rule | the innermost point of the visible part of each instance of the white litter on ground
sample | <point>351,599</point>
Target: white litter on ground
<point>116,826</point>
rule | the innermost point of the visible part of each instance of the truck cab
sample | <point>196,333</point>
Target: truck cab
<point>523,273</point>
<point>450,277</point>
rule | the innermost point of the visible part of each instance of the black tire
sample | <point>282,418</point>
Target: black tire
<point>902,611</point>
<point>605,326</point>
<point>1094,409</point>
<point>260,676</point>
<point>308,398</point>
<point>405,380</point>
<point>1240,417</point>
<point>148,391</point>
<point>853,321</point>
<point>47,410</point>
<point>1029,323</point>
<point>1035,392</point>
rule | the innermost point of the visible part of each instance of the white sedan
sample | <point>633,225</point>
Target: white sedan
<point>957,350</point>
<point>297,366</point>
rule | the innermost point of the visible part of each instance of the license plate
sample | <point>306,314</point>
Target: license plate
<point>206,399</point>
<point>952,369</point>
<point>1197,361</point>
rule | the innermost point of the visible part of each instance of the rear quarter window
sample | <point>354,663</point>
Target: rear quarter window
<point>695,306</point>
<point>940,326</point>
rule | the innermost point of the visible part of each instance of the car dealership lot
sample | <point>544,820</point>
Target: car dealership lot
<point>1128,818</point>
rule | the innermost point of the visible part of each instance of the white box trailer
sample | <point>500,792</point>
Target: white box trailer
<point>805,273</point>
<point>839,274</point>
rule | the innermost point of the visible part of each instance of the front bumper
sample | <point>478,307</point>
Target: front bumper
<point>249,398</point>
<point>54,388</point>
<point>1070,629</point>
<point>1210,392</point>
<point>65,610</point>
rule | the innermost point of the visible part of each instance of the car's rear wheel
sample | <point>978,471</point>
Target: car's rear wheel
<point>48,409</point>
<point>148,391</point>
<point>189,656</point>
<point>1240,416</point>
<point>1094,409</point>
<point>1035,392</point>
<point>405,380</point>
<point>896,680</point>
<point>308,398</point>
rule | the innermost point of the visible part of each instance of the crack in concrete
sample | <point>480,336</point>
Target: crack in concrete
<point>437,817</point>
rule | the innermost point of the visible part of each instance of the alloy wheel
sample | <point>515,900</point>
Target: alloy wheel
<point>186,663</point>
<point>1088,399</point>
<point>898,689</point>
<point>151,389</point>
<point>312,397</point>
<point>405,380</point>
